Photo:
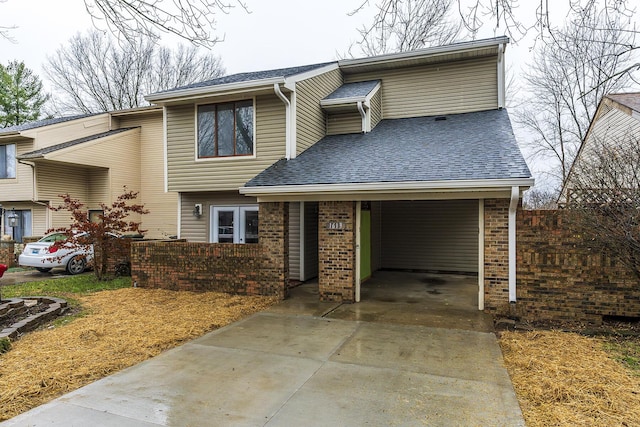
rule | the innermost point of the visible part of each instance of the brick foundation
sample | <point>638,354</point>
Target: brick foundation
<point>336,281</point>
<point>561,278</point>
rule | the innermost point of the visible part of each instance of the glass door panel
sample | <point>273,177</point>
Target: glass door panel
<point>249,226</point>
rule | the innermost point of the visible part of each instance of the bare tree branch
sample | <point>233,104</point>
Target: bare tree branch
<point>93,73</point>
<point>192,20</point>
<point>572,69</point>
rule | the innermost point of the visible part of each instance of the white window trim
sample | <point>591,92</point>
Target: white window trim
<point>223,158</point>
<point>238,218</point>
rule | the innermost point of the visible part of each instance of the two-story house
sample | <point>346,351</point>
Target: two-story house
<point>399,161</point>
<point>91,157</point>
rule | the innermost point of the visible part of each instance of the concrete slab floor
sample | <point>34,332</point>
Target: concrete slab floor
<point>436,300</point>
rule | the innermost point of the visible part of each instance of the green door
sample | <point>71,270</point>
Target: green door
<point>365,245</point>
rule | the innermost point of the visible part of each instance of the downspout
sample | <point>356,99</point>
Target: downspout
<point>363,114</point>
<point>501,77</point>
<point>287,104</point>
<point>513,208</point>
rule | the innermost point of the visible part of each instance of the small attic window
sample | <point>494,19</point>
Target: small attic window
<point>440,118</point>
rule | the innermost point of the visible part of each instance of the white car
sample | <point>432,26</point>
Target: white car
<point>44,255</point>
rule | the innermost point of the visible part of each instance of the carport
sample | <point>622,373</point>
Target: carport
<point>422,194</point>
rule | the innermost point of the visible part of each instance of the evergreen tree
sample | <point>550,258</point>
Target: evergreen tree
<point>21,94</point>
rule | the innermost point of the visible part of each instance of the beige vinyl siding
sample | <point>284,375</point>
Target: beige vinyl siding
<point>614,127</point>
<point>342,123</point>
<point>54,179</point>
<point>68,131</point>
<point>20,187</point>
<point>294,240</point>
<point>162,220</point>
<point>376,108</point>
<point>310,118</point>
<point>187,174</point>
<point>445,88</point>
<point>310,240</point>
<point>99,185</point>
<point>197,229</point>
<point>118,153</point>
<point>430,235</point>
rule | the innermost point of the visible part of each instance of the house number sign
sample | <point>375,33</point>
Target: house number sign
<point>333,225</point>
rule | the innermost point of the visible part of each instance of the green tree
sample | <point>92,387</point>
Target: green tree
<point>21,94</point>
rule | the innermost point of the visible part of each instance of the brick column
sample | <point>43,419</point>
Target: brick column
<point>496,255</point>
<point>337,255</point>
<point>274,238</point>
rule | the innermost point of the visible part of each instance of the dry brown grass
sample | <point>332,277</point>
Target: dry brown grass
<point>565,379</point>
<point>123,327</point>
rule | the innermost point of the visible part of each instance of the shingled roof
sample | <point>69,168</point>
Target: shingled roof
<point>353,90</point>
<point>250,76</point>
<point>470,146</point>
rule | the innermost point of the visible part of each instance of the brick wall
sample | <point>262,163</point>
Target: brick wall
<point>496,255</point>
<point>246,269</point>
<point>7,255</point>
<point>561,278</point>
<point>336,281</point>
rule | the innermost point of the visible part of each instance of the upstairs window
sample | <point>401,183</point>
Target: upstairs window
<point>225,130</point>
<point>7,161</point>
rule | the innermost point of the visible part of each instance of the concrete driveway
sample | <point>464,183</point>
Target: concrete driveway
<point>279,368</point>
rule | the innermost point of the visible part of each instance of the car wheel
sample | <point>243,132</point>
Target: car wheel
<point>76,265</point>
<point>43,270</point>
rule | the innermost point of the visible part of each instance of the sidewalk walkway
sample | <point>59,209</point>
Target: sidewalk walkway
<point>281,370</point>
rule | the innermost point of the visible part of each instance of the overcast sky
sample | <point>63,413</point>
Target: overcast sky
<point>277,33</point>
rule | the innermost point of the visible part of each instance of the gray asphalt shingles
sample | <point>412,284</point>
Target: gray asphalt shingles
<point>352,90</point>
<point>251,76</point>
<point>470,146</point>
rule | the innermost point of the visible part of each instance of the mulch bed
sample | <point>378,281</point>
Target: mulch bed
<point>564,376</point>
<point>122,328</point>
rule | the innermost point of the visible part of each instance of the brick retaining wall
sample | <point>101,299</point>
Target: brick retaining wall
<point>246,269</point>
<point>7,255</point>
<point>561,278</point>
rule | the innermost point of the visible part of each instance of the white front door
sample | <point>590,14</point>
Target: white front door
<point>234,224</point>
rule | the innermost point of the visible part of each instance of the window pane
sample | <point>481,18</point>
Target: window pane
<point>8,161</point>
<point>225,130</point>
<point>244,127</point>
<point>251,226</point>
<point>206,120</point>
<point>225,226</point>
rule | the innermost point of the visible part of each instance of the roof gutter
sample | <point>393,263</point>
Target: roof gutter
<point>287,107</point>
<point>193,92</point>
<point>396,187</point>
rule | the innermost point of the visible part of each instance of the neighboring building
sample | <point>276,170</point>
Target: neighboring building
<point>91,157</point>
<point>400,161</point>
<point>615,124</point>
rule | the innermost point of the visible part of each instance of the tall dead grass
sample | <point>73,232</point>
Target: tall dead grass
<point>123,327</point>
